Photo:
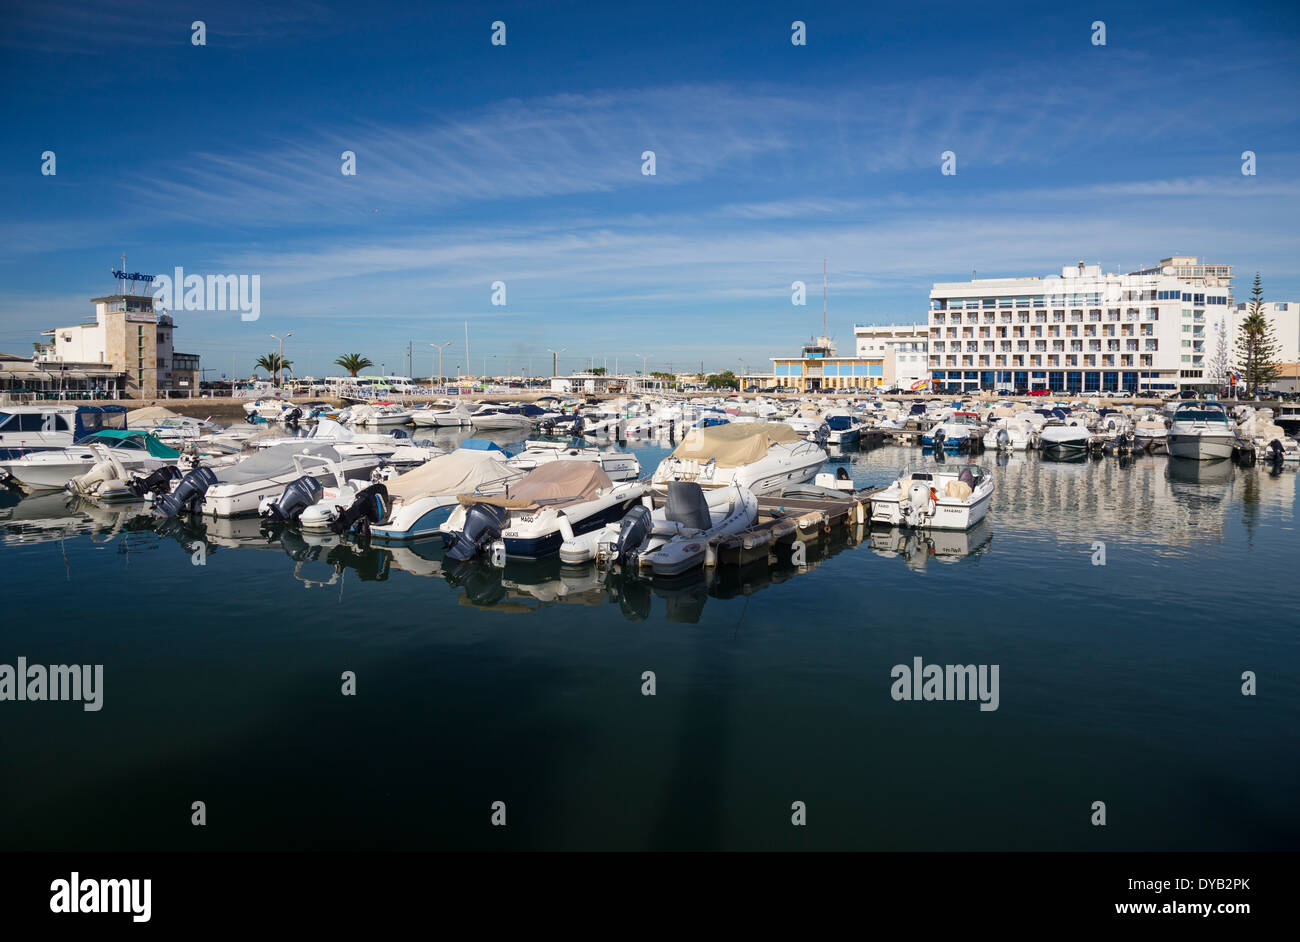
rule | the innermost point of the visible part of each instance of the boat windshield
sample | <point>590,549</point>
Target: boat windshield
<point>1201,415</point>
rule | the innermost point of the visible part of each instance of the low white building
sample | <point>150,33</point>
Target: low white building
<point>905,348</point>
<point>1284,317</point>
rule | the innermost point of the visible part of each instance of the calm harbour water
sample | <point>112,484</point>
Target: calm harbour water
<point>1118,683</point>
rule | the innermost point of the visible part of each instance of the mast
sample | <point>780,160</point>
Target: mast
<point>823,297</point>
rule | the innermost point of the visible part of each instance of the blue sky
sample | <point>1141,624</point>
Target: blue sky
<point>522,164</point>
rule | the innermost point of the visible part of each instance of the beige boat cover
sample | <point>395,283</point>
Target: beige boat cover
<point>149,416</point>
<point>555,482</point>
<point>460,472</point>
<point>735,444</point>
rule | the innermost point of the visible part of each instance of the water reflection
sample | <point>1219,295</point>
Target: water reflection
<point>919,548</point>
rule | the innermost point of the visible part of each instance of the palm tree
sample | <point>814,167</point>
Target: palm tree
<point>354,363</point>
<point>273,364</point>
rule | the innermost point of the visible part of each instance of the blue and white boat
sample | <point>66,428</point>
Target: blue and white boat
<point>953,431</point>
<point>423,498</point>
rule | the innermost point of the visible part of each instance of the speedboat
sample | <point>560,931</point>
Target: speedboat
<point>24,429</point>
<point>241,487</point>
<point>759,456</point>
<point>533,516</point>
<point>951,498</point>
<point>953,431</point>
<point>379,415</point>
<point>1201,431</point>
<point>1064,440</point>
<point>53,468</point>
<point>506,418</point>
<point>672,538</point>
<point>395,447</point>
<point>843,428</point>
<point>619,465</point>
<point>1011,434</point>
<point>429,417</point>
<point>422,499</point>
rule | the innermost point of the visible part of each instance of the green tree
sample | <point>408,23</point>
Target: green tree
<point>274,365</point>
<point>354,363</point>
<point>1257,348</point>
<point>598,371</point>
<point>725,378</point>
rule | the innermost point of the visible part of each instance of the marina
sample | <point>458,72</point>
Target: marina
<point>555,629</point>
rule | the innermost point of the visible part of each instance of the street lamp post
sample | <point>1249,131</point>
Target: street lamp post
<point>555,360</point>
<point>279,358</point>
<point>440,346</point>
<point>643,367</point>
<point>742,373</point>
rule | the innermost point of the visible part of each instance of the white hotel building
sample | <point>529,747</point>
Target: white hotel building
<point>1082,330</point>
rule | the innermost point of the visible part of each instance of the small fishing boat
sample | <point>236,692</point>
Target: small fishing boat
<point>951,498</point>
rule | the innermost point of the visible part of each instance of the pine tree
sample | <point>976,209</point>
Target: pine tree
<point>1221,364</point>
<point>1257,348</point>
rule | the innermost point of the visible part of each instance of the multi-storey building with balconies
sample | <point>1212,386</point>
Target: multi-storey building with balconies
<point>1081,331</point>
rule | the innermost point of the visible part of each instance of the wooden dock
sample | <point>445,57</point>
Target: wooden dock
<point>784,522</point>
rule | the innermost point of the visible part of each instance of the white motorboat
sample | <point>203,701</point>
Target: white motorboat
<point>456,416</point>
<point>952,431</point>
<point>422,499</point>
<point>25,429</point>
<point>396,447</point>
<point>376,415</point>
<point>844,428</point>
<point>1064,440</point>
<point>672,538</point>
<point>940,498</point>
<point>1011,434</point>
<point>534,516</point>
<point>506,418</point>
<point>53,468</point>
<point>241,487</point>
<point>618,465</point>
<point>759,456</point>
<point>1201,431</point>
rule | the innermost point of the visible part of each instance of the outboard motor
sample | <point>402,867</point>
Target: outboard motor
<point>155,482</point>
<point>632,534</point>
<point>371,506</point>
<point>483,523</point>
<point>297,496</point>
<point>188,493</point>
<point>938,439</point>
<point>1275,450</point>
<point>292,418</point>
<point>578,426</point>
<point>1004,440</point>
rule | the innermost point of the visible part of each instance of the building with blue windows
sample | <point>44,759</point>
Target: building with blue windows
<point>1145,332</point>
<point>819,369</point>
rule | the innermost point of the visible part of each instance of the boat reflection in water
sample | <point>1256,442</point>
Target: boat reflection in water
<point>1192,471</point>
<point>919,548</point>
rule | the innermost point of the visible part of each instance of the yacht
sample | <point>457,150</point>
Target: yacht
<point>1201,431</point>
<point>506,418</point>
<point>759,456</point>
<point>24,429</point>
<point>951,498</point>
<point>534,516</point>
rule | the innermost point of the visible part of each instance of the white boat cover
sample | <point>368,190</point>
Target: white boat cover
<point>149,416</point>
<point>556,482</point>
<point>460,472</point>
<point>272,462</point>
<point>735,444</point>
<point>328,428</point>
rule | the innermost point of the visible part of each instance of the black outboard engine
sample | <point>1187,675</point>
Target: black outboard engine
<point>188,493</point>
<point>292,418</point>
<point>579,424</point>
<point>632,534</point>
<point>483,523</point>
<point>155,482</point>
<point>298,496</point>
<point>938,439</point>
<point>822,435</point>
<point>371,506</point>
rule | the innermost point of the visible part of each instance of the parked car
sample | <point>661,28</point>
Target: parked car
<point>1189,394</point>
<point>1040,391</point>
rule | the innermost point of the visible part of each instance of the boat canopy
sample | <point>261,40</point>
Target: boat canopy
<point>480,444</point>
<point>734,445</point>
<point>149,416</point>
<point>460,472</point>
<point>273,461</point>
<point>555,482</point>
<point>118,438</point>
